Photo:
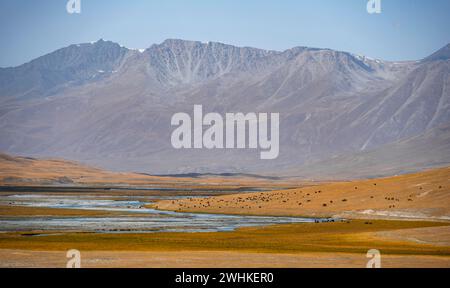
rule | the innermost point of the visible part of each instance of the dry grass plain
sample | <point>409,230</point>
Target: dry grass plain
<point>329,244</point>
<point>24,171</point>
<point>15,211</point>
<point>424,195</point>
<point>210,259</point>
<point>357,236</point>
<point>405,217</point>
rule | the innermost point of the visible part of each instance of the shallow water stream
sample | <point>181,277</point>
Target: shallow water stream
<point>135,218</point>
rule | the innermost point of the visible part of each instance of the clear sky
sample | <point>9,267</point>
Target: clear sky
<point>405,30</point>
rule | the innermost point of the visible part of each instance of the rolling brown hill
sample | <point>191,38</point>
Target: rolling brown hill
<point>27,171</point>
<point>424,195</point>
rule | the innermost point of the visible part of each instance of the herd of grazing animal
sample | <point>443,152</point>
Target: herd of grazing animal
<point>299,198</point>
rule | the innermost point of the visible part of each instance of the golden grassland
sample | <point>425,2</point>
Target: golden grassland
<point>17,211</point>
<point>417,243</point>
<point>354,237</point>
<point>211,259</point>
<point>421,195</point>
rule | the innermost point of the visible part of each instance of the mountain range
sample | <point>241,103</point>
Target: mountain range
<point>342,115</point>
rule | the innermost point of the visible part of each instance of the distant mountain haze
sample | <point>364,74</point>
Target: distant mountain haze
<point>341,115</point>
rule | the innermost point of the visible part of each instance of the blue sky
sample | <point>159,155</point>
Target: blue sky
<point>405,30</point>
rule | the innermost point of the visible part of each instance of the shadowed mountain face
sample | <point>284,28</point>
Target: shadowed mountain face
<point>107,105</point>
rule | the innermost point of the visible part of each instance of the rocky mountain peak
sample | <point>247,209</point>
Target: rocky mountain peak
<point>442,54</point>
